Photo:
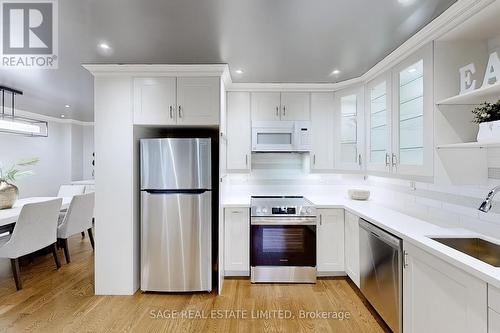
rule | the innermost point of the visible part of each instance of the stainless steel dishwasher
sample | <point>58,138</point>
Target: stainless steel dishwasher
<point>381,272</point>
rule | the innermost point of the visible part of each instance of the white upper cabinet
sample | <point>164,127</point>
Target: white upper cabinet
<point>295,106</point>
<point>330,242</point>
<point>281,106</point>
<point>198,100</point>
<point>349,129</point>
<point>266,106</point>
<point>322,138</point>
<point>413,117</point>
<point>238,131</point>
<point>379,122</point>
<point>176,101</point>
<point>155,101</point>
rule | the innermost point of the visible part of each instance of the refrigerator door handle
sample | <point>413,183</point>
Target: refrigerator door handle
<point>193,191</point>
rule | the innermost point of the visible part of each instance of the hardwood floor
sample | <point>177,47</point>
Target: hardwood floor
<point>57,301</point>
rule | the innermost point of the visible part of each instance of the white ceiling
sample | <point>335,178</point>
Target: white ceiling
<point>270,40</point>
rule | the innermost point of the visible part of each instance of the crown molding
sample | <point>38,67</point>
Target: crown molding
<point>158,69</point>
<point>449,19</point>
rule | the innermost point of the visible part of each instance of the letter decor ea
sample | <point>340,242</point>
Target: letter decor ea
<point>491,76</point>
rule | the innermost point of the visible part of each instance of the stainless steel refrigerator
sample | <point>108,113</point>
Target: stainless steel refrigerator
<point>176,215</point>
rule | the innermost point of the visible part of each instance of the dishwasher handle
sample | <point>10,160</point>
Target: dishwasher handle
<point>383,235</point>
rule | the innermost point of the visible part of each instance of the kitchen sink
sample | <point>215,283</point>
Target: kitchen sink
<point>475,247</point>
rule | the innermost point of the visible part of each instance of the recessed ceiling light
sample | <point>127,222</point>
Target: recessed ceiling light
<point>406,2</point>
<point>239,71</point>
<point>67,106</point>
<point>412,70</point>
<point>104,46</point>
<point>62,116</point>
<point>335,72</point>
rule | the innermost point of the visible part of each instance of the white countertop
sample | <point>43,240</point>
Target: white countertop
<point>410,229</point>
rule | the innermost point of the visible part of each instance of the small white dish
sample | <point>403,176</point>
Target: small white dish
<point>358,194</point>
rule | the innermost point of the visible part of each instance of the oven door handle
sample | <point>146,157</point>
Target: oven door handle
<point>283,221</point>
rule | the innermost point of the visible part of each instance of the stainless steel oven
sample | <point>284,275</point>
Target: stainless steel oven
<point>283,240</point>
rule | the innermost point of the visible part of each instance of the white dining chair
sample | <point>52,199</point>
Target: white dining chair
<point>35,229</point>
<point>70,190</point>
<point>77,219</point>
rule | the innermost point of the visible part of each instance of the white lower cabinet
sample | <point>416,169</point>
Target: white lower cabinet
<point>351,239</point>
<point>237,241</point>
<point>330,241</point>
<point>493,321</point>
<point>438,297</point>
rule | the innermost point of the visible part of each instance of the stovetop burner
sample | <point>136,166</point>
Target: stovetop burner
<point>282,206</point>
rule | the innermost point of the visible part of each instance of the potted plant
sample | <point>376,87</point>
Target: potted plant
<point>487,115</point>
<point>8,191</point>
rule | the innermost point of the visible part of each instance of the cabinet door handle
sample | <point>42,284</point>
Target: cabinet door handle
<point>320,220</point>
<point>394,160</point>
<point>360,161</point>
<point>314,159</point>
<point>284,110</point>
<point>246,159</point>
<point>171,113</point>
<point>277,111</point>
<point>180,111</point>
<point>387,160</point>
<point>405,259</point>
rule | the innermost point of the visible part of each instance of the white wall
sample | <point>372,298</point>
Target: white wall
<point>76,152</point>
<point>54,153</point>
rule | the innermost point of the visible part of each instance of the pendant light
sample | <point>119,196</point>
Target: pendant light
<point>12,124</point>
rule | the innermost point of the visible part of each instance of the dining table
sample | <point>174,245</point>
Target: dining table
<point>8,217</point>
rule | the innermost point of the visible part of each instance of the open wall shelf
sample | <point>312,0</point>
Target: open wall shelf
<point>475,97</point>
<point>468,145</point>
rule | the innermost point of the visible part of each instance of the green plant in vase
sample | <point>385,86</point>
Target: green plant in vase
<point>487,115</point>
<point>8,176</point>
<point>486,112</point>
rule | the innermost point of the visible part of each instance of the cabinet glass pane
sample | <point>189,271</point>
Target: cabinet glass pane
<point>348,128</point>
<point>411,115</point>
<point>378,123</point>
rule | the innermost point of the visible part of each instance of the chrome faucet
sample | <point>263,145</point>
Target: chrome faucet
<point>486,205</point>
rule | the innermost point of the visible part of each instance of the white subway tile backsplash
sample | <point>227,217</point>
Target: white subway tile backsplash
<point>461,210</point>
<point>446,206</point>
<point>429,202</point>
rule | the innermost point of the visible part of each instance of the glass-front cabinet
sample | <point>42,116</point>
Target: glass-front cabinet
<point>378,108</point>
<point>349,131</point>
<point>399,112</point>
<point>413,117</point>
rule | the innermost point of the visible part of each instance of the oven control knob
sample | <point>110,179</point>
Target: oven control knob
<point>264,210</point>
<point>308,210</point>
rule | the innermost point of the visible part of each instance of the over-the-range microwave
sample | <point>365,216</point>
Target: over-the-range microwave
<point>281,136</point>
